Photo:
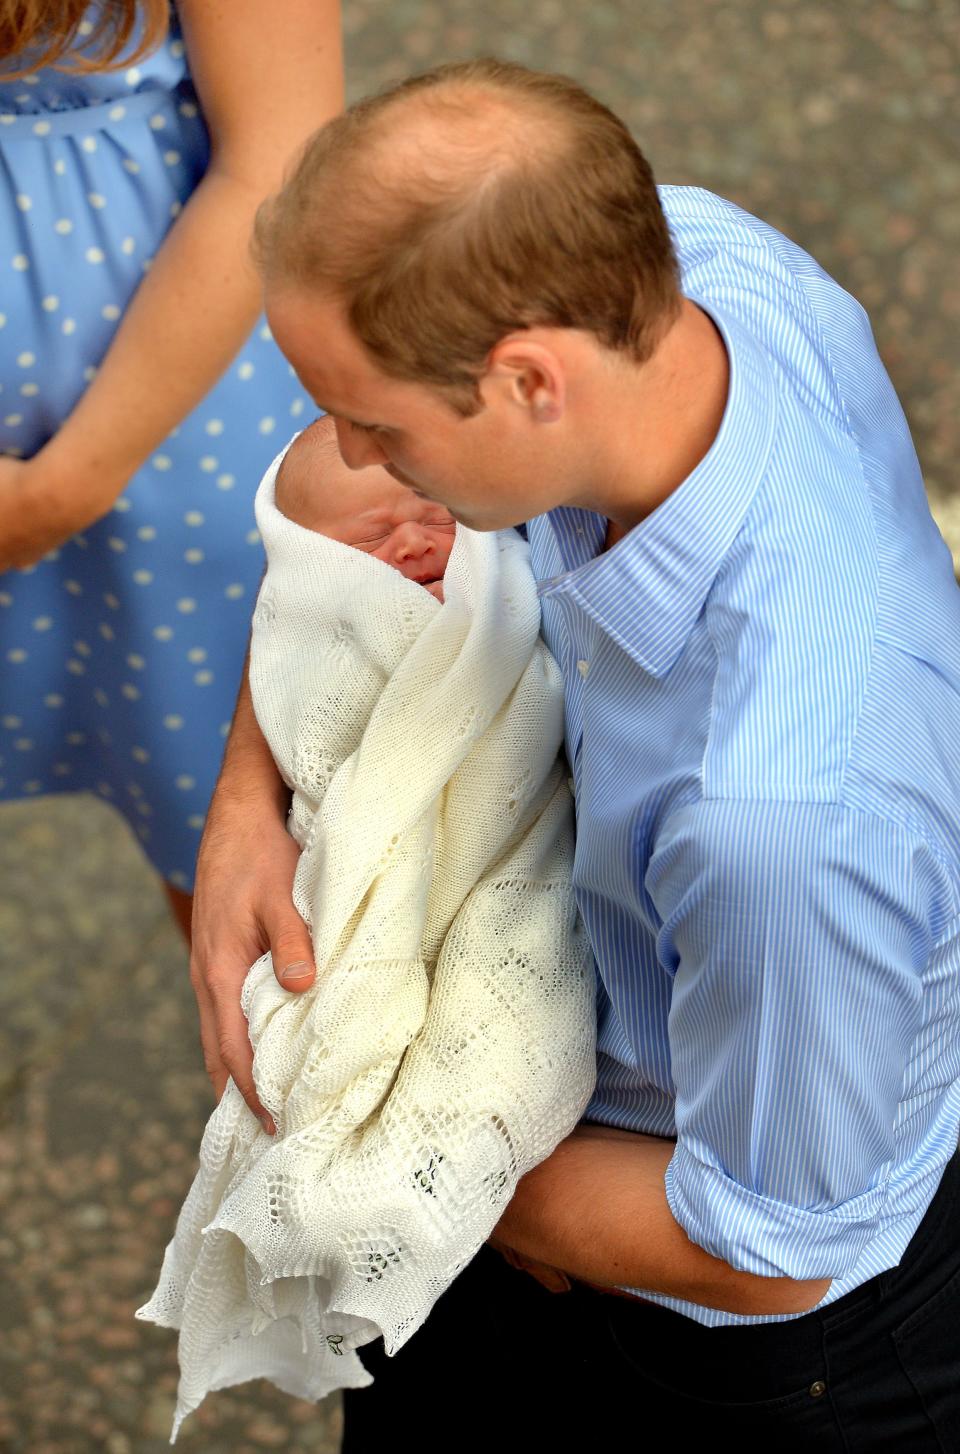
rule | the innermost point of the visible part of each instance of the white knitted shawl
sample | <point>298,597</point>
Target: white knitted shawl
<point>448,1043</point>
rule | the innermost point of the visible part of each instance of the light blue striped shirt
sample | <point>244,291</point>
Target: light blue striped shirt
<point>763,725</point>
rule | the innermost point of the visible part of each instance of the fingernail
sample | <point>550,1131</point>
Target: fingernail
<point>300,970</point>
<point>267,1124</point>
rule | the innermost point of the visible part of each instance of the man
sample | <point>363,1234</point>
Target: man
<point>758,629</point>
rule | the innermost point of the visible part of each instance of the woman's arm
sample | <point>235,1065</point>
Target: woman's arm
<point>266,81</point>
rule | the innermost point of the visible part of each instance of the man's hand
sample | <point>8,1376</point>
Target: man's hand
<point>597,1209</point>
<point>549,1277</point>
<point>243,905</point>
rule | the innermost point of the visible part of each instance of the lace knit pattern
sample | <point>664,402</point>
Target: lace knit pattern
<point>448,1044</point>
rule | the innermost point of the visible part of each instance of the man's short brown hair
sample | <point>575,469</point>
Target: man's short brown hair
<point>469,202</point>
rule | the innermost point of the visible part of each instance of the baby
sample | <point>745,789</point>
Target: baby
<point>447,1045</point>
<point>367,509</point>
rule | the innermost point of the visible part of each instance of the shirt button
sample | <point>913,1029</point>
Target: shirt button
<point>571,785</point>
<point>583,667</point>
<point>818,1389</point>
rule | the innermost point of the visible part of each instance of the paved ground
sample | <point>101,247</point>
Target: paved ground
<point>837,121</point>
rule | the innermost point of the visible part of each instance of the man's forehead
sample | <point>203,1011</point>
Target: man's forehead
<point>305,321</point>
<point>316,337</point>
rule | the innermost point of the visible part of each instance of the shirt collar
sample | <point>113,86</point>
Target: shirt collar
<point>647,592</point>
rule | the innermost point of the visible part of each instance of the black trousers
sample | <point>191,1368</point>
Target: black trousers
<point>501,1362</point>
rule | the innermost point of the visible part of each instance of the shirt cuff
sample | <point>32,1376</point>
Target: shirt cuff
<point>768,1238</point>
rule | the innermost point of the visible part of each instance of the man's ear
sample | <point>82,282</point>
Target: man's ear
<point>528,374</point>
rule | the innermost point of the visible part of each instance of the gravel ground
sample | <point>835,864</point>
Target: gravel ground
<point>837,122</point>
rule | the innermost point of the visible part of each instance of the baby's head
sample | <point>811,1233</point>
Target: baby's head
<point>367,509</point>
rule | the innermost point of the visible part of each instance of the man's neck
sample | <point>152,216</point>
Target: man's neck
<point>659,421</point>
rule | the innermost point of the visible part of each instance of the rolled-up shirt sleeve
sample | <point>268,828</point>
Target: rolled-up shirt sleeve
<point>797,935</point>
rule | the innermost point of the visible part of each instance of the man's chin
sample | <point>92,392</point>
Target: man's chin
<point>484,526</point>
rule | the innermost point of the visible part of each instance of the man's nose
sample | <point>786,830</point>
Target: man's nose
<point>357,448</point>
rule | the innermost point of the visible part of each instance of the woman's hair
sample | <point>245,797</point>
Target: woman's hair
<point>36,33</point>
<point>460,205</point>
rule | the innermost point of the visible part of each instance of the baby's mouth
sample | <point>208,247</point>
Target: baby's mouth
<point>431,581</point>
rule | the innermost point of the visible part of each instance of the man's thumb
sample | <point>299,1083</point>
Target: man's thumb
<point>293,956</point>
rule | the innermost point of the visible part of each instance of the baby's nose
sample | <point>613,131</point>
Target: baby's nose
<point>412,542</point>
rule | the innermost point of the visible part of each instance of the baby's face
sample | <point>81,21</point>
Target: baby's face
<point>367,509</point>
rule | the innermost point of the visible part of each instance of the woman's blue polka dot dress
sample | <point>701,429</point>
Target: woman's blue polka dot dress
<point>121,653</point>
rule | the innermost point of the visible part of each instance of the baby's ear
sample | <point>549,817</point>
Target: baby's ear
<point>288,492</point>
<point>281,487</point>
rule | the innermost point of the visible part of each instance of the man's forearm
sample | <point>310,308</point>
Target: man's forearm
<point>597,1208</point>
<point>249,772</point>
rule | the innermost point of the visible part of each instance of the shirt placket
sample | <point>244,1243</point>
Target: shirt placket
<point>576,669</point>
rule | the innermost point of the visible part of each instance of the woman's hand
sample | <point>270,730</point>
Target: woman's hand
<point>39,510</point>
